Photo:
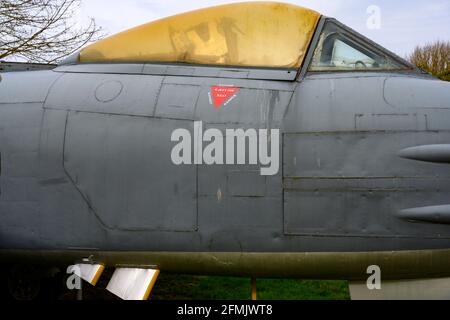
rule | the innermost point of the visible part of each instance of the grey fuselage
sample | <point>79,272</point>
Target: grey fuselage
<point>86,168</point>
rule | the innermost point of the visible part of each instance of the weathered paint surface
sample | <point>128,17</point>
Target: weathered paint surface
<point>86,169</point>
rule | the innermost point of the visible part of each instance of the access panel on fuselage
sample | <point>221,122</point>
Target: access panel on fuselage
<point>122,166</point>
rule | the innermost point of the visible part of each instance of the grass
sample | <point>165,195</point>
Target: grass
<point>186,287</point>
<point>182,287</point>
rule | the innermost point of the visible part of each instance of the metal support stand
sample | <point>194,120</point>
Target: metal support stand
<point>254,296</point>
<point>80,292</point>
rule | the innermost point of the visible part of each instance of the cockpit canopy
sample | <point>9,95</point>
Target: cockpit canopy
<point>254,34</point>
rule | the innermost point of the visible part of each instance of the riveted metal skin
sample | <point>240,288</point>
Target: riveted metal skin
<point>86,170</point>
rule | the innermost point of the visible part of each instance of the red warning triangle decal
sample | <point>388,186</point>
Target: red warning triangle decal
<point>222,94</point>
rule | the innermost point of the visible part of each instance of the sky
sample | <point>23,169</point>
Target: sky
<point>396,25</point>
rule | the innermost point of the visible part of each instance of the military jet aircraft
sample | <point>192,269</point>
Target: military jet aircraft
<point>254,139</point>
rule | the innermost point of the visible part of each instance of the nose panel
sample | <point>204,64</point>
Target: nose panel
<point>402,92</point>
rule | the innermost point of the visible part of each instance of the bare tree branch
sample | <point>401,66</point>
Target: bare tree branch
<point>42,31</point>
